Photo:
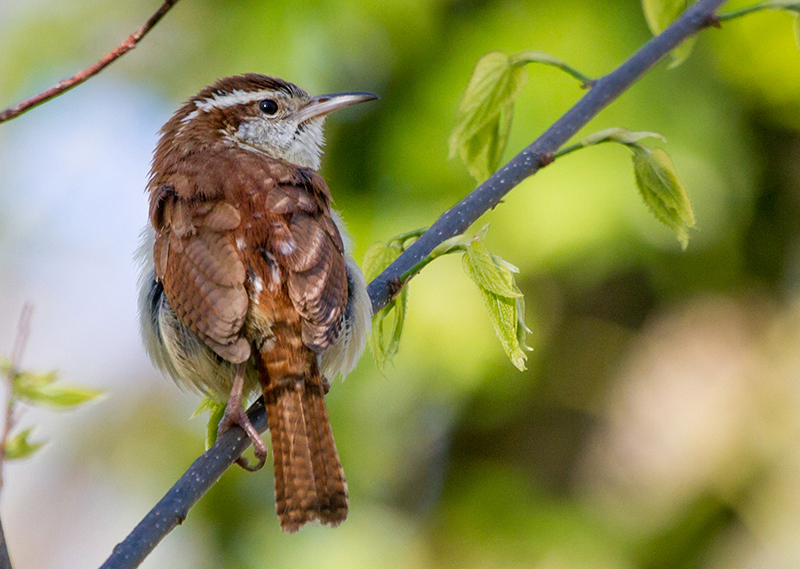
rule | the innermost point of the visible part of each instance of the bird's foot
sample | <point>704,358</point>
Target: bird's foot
<point>235,414</point>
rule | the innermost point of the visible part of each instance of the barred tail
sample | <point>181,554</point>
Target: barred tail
<point>309,480</point>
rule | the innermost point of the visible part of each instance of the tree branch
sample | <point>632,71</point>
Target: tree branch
<point>173,508</point>
<point>538,154</point>
<point>67,84</point>
<point>5,560</point>
<point>206,470</point>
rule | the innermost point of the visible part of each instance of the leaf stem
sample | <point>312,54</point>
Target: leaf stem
<point>792,6</point>
<point>545,59</point>
<point>403,237</point>
<point>568,149</point>
<point>435,254</point>
<point>21,339</point>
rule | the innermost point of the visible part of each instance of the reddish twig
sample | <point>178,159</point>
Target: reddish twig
<point>23,329</point>
<point>67,84</point>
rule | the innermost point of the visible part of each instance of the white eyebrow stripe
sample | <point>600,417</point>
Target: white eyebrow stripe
<point>237,97</point>
<point>225,100</point>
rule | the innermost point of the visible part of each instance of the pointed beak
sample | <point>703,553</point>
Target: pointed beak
<point>323,104</point>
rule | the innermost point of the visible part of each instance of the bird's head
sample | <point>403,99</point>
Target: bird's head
<point>259,113</point>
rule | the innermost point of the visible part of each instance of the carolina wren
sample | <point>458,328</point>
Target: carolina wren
<point>248,286</point>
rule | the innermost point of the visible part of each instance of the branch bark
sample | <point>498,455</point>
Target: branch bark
<point>67,84</point>
<point>206,470</point>
<point>5,560</point>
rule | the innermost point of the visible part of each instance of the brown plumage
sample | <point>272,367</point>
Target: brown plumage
<point>254,271</point>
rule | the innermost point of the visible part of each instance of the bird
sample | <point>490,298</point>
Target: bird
<point>248,286</point>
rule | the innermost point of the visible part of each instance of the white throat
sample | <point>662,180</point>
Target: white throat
<point>301,145</point>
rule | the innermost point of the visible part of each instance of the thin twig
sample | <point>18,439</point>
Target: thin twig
<point>23,330</point>
<point>172,509</point>
<point>21,339</point>
<point>67,84</point>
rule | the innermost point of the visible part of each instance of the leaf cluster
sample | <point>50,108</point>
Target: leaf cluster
<point>493,276</point>
<point>38,390</point>
<point>503,298</point>
<point>387,324</point>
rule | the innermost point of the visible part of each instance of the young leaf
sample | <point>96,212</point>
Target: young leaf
<point>5,365</point>
<point>662,190</point>
<point>488,274</point>
<point>502,297</point>
<point>377,258</point>
<point>660,14</point>
<point>384,341</point>
<point>484,150</point>
<point>43,389</point>
<point>27,380</point>
<point>617,134</point>
<point>387,328</point>
<point>215,412</point>
<point>206,405</point>
<point>485,112</point>
<point>20,447</point>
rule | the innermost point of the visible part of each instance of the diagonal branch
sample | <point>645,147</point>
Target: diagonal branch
<point>457,220</point>
<point>206,470</point>
<point>67,84</point>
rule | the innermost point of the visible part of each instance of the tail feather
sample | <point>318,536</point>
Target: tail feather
<point>328,472</point>
<point>309,480</point>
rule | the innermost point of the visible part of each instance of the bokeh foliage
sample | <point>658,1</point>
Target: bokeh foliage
<point>629,441</point>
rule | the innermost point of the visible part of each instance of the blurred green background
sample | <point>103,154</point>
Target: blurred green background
<point>657,425</point>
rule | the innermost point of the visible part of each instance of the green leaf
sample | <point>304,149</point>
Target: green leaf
<point>387,324</point>
<point>216,411</point>
<point>617,134</point>
<point>28,380</point>
<point>5,365</point>
<point>505,313</point>
<point>43,389</point>
<point>662,190</point>
<point>483,121</point>
<point>503,299</point>
<point>483,151</point>
<point>488,274</point>
<point>387,329</point>
<point>377,258</point>
<point>206,404</point>
<point>20,447</point>
<point>660,14</point>
<point>215,415</point>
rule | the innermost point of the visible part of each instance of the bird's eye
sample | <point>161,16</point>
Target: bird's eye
<point>268,107</point>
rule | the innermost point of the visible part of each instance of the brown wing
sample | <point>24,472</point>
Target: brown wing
<point>307,246</point>
<point>202,271</point>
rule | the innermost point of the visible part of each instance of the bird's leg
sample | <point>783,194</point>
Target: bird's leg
<point>235,414</point>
